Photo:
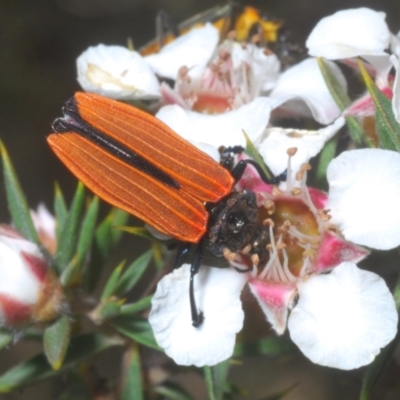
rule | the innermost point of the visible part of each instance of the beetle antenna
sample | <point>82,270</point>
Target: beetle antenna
<point>240,167</point>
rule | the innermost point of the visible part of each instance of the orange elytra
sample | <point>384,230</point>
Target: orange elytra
<point>135,162</point>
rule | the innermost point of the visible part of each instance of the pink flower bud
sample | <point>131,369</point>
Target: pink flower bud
<point>29,290</point>
<point>45,225</point>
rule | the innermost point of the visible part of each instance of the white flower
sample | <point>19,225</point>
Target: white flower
<point>275,142</point>
<point>170,316</point>
<point>193,50</point>
<point>364,193</point>
<point>297,88</point>
<point>45,225</point>
<point>117,73</point>
<point>301,89</point>
<point>29,290</point>
<point>360,32</point>
<point>342,319</point>
<point>350,33</point>
<point>219,129</point>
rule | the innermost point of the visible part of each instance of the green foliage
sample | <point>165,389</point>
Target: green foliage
<point>132,274</point>
<point>342,100</point>
<point>60,210</point>
<point>255,155</point>
<point>135,328</point>
<point>216,380</point>
<point>132,379</point>
<point>388,129</point>
<point>68,239</point>
<point>56,341</point>
<point>17,204</point>
<point>5,339</point>
<point>172,391</point>
<point>38,368</point>
<point>106,237</point>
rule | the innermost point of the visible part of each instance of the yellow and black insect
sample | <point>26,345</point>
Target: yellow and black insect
<point>247,23</point>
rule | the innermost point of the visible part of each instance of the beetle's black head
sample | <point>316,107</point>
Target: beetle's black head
<point>233,222</point>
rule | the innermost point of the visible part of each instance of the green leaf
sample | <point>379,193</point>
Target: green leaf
<point>106,234</point>
<point>137,329</point>
<point>357,132</point>
<point>69,272</point>
<point>106,237</point>
<point>87,231</point>
<point>375,369</point>
<point>216,380</point>
<point>336,90</point>
<point>138,306</point>
<point>33,333</point>
<point>60,210</point>
<point>325,157</point>
<point>132,379</point>
<point>209,383</point>
<point>342,100</point>
<point>67,244</point>
<point>112,282</point>
<point>110,309</point>
<point>252,152</point>
<point>132,274</point>
<point>5,339</point>
<point>37,368</point>
<point>172,391</point>
<point>17,204</point>
<point>119,218</point>
<point>56,341</point>
<point>387,128</point>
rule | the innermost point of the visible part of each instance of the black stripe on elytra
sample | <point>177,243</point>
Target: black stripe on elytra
<point>72,121</point>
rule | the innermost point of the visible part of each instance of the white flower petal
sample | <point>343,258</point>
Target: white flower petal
<point>217,293</point>
<point>264,68</point>
<point>343,319</point>
<point>273,148</point>
<point>349,33</point>
<point>305,82</point>
<point>116,72</point>
<point>208,149</point>
<point>364,193</point>
<point>395,43</point>
<point>192,50</point>
<point>44,220</point>
<point>219,129</point>
<point>382,66</point>
<point>17,280</point>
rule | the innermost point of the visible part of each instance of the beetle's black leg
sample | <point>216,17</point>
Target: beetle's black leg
<point>240,167</point>
<point>182,252</point>
<point>197,315</point>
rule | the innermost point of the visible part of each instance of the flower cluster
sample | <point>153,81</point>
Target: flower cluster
<point>338,314</point>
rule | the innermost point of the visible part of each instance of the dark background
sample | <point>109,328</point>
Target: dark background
<point>39,43</point>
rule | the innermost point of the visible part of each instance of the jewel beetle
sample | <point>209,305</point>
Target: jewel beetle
<point>135,162</point>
